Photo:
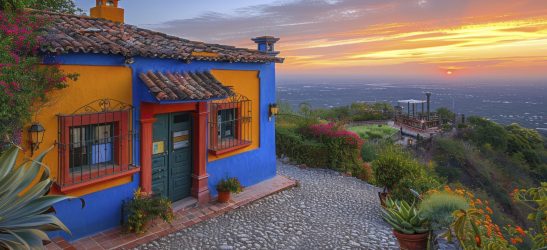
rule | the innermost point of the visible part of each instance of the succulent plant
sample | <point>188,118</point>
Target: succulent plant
<point>24,205</point>
<point>404,218</point>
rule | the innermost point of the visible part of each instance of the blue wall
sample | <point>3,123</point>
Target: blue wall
<point>103,208</point>
<point>102,211</point>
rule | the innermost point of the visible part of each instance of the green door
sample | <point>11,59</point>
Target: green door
<point>172,156</point>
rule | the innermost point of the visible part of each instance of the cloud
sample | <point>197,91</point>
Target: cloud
<point>355,34</point>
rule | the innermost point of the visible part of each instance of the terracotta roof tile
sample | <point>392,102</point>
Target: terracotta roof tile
<point>81,34</point>
<point>184,86</point>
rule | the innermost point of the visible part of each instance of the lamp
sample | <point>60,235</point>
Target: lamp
<point>36,132</point>
<point>274,110</point>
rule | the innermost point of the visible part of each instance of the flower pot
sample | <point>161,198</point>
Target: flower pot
<point>383,197</point>
<point>411,241</point>
<point>223,197</point>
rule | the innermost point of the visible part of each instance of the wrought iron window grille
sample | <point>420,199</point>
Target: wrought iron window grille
<point>230,124</point>
<point>95,141</point>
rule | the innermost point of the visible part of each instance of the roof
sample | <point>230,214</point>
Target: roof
<point>184,86</point>
<point>412,101</point>
<point>81,34</point>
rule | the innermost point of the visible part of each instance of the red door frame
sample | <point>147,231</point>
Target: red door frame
<point>200,188</point>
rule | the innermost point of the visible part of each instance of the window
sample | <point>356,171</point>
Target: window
<point>226,124</point>
<point>90,146</point>
<point>230,125</point>
<point>95,146</point>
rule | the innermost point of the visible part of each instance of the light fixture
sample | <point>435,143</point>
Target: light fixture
<point>274,110</point>
<point>36,133</point>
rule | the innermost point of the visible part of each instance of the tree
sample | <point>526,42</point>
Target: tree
<point>445,115</point>
<point>64,6</point>
<point>23,81</point>
<point>488,132</point>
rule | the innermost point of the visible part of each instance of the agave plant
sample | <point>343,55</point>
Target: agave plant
<point>404,218</point>
<point>25,207</point>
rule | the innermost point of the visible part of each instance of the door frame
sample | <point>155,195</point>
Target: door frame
<point>199,113</point>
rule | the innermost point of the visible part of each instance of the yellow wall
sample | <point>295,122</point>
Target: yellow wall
<point>246,83</point>
<point>94,82</point>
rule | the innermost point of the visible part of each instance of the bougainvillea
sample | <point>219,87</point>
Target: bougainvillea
<point>344,147</point>
<point>24,82</point>
<point>332,131</point>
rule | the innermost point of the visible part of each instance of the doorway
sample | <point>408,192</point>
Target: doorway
<point>172,155</point>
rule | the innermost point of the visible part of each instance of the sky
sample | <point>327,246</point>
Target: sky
<point>450,40</point>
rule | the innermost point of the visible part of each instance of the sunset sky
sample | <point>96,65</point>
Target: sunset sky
<point>436,39</point>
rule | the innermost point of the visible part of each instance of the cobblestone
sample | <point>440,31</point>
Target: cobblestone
<point>326,211</point>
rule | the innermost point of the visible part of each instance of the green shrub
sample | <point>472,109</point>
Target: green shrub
<point>438,208</point>
<point>390,167</point>
<point>488,132</point>
<point>369,152</point>
<point>143,208</point>
<point>398,172</point>
<point>324,152</point>
<point>301,150</point>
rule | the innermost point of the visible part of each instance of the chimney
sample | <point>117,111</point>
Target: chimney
<point>267,44</point>
<point>428,94</point>
<point>109,10</point>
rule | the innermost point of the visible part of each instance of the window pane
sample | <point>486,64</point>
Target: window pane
<point>91,145</point>
<point>226,119</point>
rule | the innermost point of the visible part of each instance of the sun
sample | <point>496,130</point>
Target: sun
<point>449,72</point>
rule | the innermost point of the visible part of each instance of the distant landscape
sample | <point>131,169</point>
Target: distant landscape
<point>505,104</point>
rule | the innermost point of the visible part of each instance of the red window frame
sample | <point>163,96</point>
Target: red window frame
<point>120,147</point>
<point>216,147</point>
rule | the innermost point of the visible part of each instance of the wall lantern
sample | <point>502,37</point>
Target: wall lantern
<point>274,110</point>
<point>36,132</point>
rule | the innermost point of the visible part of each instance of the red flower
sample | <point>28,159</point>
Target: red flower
<point>520,231</point>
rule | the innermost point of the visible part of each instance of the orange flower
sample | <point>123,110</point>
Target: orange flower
<point>489,210</point>
<point>479,201</point>
<point>520,231</point>
<point>478,240</point>
<point>516,240</point>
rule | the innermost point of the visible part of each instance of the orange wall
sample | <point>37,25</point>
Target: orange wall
<point>94,82</point>
<point>246,83</point>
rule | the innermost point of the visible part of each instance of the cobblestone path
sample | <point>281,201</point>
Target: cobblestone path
<point>326,211</point>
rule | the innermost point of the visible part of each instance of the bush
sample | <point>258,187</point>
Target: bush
<point>344,146</point>
<point>144,208</point>
<point>439,206</point>
<point>301,150</point>
<point>390,167</point>
<point>488,132</point>
<point>369,152</point>
<point>398,172</point>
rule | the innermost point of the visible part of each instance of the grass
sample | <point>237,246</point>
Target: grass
<point>369,132</point>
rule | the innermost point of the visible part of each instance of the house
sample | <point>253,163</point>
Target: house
<point>150,111</point>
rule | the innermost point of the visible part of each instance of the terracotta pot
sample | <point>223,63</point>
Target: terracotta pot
<point>411,241</point>
<point>383,197</point>
<point>223,197</point>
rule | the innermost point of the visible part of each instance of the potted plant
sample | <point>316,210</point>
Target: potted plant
<point>227,186</point>
<point>143,209</point>
<point>409,227</point>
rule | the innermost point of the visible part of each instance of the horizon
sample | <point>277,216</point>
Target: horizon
<point>441,41</point>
